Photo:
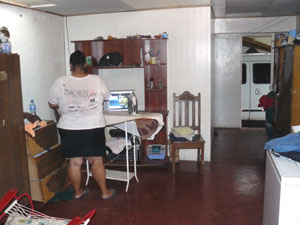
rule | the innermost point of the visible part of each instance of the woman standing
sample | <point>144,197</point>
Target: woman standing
<point>79,98</point>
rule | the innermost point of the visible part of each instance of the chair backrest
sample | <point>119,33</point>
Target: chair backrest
<point>187,111</point>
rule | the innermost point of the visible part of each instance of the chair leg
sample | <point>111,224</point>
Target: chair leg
<point>202,154</point>
<point>198,156</point>
<point>177,160</point>
<point>173,159</point>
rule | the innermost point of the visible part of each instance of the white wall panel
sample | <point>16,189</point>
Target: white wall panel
<point>189,51</point>
<point>39,40</point>
<point>255,25</point>
<point>227,76</point>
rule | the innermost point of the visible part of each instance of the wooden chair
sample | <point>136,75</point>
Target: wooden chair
<point>187,113</point>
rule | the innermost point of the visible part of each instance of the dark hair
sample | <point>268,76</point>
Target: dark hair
<point>77,59</point>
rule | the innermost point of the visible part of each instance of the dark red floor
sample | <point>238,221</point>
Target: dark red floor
<point>229,192</point>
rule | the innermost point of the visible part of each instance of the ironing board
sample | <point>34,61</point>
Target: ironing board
<point>127,122</point>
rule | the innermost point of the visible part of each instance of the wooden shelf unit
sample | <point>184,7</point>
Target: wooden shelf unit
<point>287,88</point>
<point>13,159</point>
<point>133,52</point>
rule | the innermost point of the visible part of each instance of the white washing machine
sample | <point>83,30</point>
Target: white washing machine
<point>282,191</point>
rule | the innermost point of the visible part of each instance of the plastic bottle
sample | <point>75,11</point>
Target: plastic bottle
<point>32,107</point>
<point>6,47</point>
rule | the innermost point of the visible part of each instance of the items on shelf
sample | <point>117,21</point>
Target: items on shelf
<point>153,57</point>
<point>5,45</point>
<point>151,84</point>
<point>290,39</point>
<point>292,36</point>
<point>159,85</point>
<point>147,57</point>
<point>138,36</point>
<point>99,38</point>
<point>156,151</point>
<point>109,37</point>
<point>89,61</point>
<point>111,59</point>
<point>163,35</point>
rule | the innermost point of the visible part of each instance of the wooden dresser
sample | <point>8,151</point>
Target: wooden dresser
<point>47,171</point>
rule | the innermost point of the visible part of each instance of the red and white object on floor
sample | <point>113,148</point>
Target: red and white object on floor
<point>12,212</point>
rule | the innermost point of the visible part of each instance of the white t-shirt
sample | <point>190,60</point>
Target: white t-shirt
<point>80,101</point>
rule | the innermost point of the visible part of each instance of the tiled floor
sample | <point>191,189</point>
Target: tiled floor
<point>229,192</point>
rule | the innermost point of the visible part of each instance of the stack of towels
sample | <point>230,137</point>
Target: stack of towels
<point>183,132</point>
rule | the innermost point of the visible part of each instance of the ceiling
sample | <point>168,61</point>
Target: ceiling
<point>221,8</point>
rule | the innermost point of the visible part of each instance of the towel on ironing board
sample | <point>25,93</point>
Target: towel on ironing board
<point>146,127</point>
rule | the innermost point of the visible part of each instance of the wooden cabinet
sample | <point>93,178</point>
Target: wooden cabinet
<point>133,52</point>
<point>13,159</point>
<point>287,88</point>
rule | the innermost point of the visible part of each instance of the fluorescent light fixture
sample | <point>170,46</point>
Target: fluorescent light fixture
<point>30,3</point>
<point>42,6</point>
<point>15,3</point>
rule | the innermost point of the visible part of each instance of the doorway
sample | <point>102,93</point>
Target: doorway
<point>256,78</point>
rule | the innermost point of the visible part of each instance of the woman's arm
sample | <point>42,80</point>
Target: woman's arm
<point>53,106</point>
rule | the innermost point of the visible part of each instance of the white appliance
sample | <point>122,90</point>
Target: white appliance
<point>282,191</point>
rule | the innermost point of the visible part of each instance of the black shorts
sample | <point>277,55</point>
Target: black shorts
<point>82,143</point>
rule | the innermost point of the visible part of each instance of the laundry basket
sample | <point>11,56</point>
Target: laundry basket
<point>12,212</point>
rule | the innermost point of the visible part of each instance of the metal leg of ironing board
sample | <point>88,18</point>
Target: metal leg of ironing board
<point>127,160</point>
<point>88,172</point>
<point>134,155</point>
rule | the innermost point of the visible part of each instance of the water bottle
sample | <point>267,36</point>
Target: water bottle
<point>32,107</point>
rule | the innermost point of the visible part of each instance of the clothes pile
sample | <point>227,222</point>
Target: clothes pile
<point>182,134</point>
<point>267,102</point>
<point>31,122</point>
<point>288,146</point>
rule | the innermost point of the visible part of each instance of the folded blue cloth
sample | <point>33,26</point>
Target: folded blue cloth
<point>174,139</point>
<point>178,139</point>
<point>288,143</point>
